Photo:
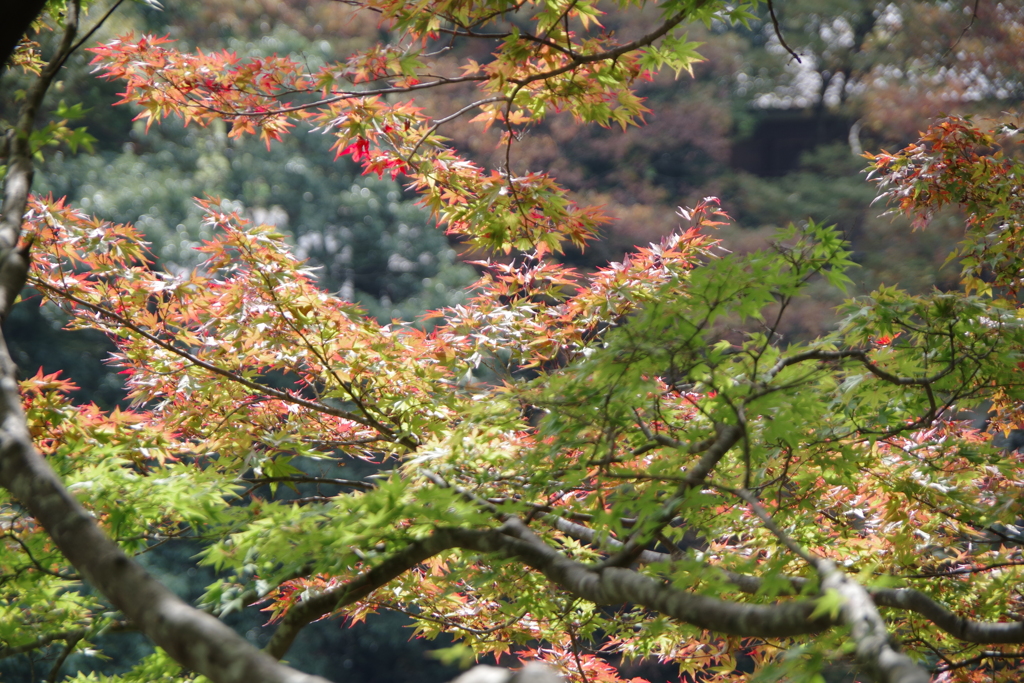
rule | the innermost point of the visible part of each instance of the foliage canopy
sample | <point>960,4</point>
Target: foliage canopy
<point>574,467</point>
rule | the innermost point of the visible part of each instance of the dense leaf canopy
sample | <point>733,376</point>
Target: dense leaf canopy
<point>581,468</point>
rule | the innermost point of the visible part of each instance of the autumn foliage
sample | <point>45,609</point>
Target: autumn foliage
<point>581,468</point>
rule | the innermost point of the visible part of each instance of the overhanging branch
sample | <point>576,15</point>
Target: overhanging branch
<point>614,585</point>
<point>608,586</point>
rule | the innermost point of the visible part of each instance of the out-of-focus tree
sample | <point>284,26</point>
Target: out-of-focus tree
<point>894,65</point>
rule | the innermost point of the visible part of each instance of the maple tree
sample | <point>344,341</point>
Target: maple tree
<point>570,467</point>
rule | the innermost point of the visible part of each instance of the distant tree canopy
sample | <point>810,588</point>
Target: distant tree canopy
<point>582,468</point>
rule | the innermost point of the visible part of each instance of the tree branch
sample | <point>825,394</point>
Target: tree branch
<point>216,369</point>
<point>616,585</point>
<point>580,60</point>
<point>875,651</point>
<point>20,168</point>
<point>43,641</point>
<point>577,61</point>
<point>778,33</point>
<point>608,586</point>
<point>862,356</point>
<point>968,630</point>
<point>950,666</point>
<point>613,585</point>
<point>728,436</point>
<point>193,638</point>
<point>69,647</point>
<point>317,606</point>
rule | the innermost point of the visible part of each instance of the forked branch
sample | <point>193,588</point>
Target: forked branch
<point>875,651</point>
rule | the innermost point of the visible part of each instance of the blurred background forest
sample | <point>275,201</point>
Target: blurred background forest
<point>777,139</point>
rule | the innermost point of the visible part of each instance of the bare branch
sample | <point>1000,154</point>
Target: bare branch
<point>970,25</point>
<point>770,524</point>
<point>778,32</point>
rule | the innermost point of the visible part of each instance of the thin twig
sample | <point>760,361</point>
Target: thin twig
<point>69,647</point>
<point>778,33</point>
<point>446,119</point>
<point>90,32</point>
<point>978,659</point>
<point>970,25</point>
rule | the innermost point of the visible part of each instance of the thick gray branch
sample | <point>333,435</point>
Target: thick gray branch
<point>967,630</point>
<point>317,606</point>
<point>875,651</point>
<point>615,586</point>
<point>908,599</point>
<point>608,586</point>
<point>590,537</point>
<point>193,638</point>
